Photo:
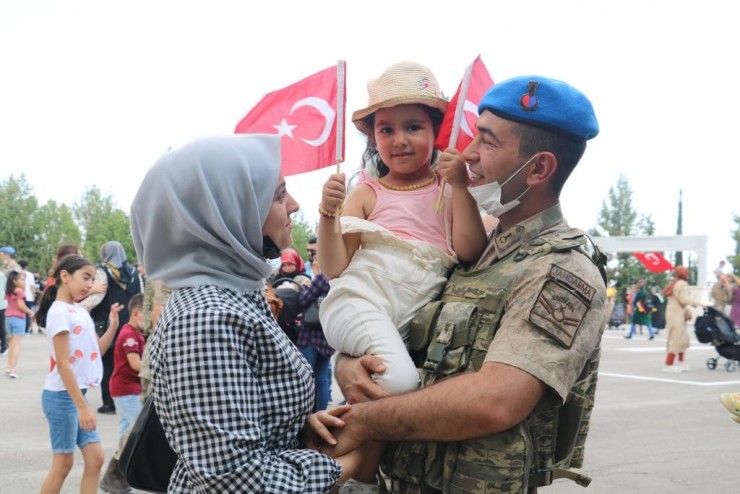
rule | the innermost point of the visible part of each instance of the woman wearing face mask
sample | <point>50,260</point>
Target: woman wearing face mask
<point>231,392</point>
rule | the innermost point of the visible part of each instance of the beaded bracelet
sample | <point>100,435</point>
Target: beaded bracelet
<point>326,213</point>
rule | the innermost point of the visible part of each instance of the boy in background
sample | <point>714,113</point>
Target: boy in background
<point>125,386</point>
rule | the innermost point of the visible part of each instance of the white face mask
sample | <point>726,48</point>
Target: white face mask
<point>488,196</point>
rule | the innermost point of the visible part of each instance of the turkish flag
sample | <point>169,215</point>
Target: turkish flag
<point>653,261</point>
<point>309,115</point>
<point>458,126</point>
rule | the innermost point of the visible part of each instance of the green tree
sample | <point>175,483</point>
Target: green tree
<point>54,225</point>
<point>617,217</point>
<point>100,220</point>
<point>302,231</point>
<point>735,260</point>
<point>18,205</point>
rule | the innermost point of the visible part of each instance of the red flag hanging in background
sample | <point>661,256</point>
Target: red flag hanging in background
<point>653,261</point>
<point>462,111</point>
<point>309,115</point>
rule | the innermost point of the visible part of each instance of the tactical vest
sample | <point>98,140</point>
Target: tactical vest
<point>462,325</point>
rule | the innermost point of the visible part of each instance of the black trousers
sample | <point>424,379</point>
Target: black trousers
<point>107,372</point>
<point>3,336</point>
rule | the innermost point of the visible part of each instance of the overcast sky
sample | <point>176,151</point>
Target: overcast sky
<point>93,92</point>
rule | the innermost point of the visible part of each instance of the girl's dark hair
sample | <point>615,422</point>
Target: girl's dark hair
<point>10,283</point>
<point>70,264</point>
<point>371,158</point>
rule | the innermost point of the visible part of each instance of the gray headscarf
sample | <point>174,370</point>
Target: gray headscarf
<point>112,252</point>
<point>197,216</point>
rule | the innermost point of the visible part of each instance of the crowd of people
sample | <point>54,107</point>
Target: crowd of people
<point>454,345</point>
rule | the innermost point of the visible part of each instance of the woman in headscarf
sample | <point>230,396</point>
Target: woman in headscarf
<point>291,264</point>
<point>677,312</point>
<point>119,281</point>
<point>232,393</point>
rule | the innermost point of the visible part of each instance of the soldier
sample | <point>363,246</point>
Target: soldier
<point>509,367</point>
<point>722,292</point>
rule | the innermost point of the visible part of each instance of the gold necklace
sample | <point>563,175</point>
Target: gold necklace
<point>408,187</point>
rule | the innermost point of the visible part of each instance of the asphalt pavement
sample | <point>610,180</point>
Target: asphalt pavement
<point>651,431</point>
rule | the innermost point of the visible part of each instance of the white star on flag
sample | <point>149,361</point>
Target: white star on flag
<point>285,129</point>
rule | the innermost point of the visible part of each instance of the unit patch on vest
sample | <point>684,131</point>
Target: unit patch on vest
<point>561,305</point>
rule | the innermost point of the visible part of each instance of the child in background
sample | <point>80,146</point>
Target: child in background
<point>395,250</point>
<point>125,385</point>
<point>15,318</point>
<point>75,350</point>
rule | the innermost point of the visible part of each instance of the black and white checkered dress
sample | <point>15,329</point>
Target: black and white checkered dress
<point>233,395</point>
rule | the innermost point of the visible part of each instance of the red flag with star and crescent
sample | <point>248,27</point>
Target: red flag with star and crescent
<point>309,115</point>
<point>458,126</point>
<point>653,261</point>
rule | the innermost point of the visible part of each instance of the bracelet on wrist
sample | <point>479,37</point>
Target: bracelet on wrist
<point>327,213</point>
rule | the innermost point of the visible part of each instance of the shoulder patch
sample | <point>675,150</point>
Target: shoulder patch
<point>558,312</point>
<point>575,283</point>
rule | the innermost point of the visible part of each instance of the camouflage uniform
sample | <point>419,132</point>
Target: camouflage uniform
<point>535,301</point>
<point>155,293</point>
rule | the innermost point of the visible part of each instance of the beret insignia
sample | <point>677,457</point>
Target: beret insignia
<point>529,100</point>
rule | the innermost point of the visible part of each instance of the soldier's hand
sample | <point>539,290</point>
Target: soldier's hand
<point>354,376</point>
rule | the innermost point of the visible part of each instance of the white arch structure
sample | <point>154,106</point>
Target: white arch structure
<point>695,243</point>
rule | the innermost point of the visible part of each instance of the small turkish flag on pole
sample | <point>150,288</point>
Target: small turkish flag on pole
<point>309,116</point>
<point>653,261</point>
<point>462,111</point>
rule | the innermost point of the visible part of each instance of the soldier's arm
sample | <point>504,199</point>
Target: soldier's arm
<point>477,404</point>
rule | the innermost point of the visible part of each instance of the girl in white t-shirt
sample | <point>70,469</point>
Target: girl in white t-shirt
<point>75,366</point>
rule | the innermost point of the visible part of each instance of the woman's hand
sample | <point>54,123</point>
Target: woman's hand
<point>87,418</point>
<point>113,316</point>
<point>333,193</point>
<point>317,431</point>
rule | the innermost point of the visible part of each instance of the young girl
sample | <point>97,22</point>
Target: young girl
<point>395,250</point>
<point>75,350</point>
<point>15,318</point>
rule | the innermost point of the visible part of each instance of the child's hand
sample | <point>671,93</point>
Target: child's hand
<point>333,193</point>
<point>453,169</point>
<point>317,431</point>
<point>113,316</point>
<point>87,419</point>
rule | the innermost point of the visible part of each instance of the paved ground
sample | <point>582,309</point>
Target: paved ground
<point>651,432</point>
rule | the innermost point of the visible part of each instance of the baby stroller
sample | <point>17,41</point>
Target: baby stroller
<point>288,290</point>
<point>716,328</point>
<point>618,316</point>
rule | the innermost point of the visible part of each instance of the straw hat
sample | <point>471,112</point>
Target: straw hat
<point>403,83</point>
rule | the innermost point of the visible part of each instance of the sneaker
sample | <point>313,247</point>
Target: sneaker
<point>684,367</point>
<point>672,368</point>
<point>107,410</point>
<point>4,352</point>
<point>7,371</point>
<point>731,401</point>
<point>12,374</point>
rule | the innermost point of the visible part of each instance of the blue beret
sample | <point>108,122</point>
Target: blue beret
<point>543,102</point>
<point>7,250</point>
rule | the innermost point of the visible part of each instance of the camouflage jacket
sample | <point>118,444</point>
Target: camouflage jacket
<point>537,302</point>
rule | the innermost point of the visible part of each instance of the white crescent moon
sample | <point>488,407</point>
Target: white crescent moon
<point>652,258</point>
<point>468,107</point>
<point>326,111</point>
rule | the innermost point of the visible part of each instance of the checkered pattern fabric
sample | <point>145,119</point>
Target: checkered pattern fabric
<point>233,395</point>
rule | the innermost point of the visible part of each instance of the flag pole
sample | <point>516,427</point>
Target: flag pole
<point>341,96</point>
<point>459,112</point>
